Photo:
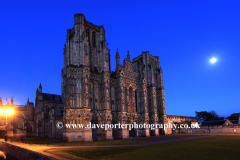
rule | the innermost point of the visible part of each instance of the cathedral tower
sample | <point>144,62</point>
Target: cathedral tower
<point>85,77</point>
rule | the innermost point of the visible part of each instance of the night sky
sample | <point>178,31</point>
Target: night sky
<point>184,34</point>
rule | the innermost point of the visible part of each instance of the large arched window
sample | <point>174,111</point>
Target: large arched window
<point>91,95</point>
<point>87,34</point>
<point>136,103</point>
<point>47,109</point>
<point>96,104</point>
<point>94,39</point>
<point>126,108</point>
<point>130,100</point>
<point>20,125</point>
<point>113,99</point>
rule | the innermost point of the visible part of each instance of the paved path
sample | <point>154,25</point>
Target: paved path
<point>148,141</point>
<point>36,148</point>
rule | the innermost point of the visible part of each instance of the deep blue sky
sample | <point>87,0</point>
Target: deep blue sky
<point>184,34</point>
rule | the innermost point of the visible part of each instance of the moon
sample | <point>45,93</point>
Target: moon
<point>213,60</point>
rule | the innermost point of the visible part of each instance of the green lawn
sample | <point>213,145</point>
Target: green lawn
<point>60,142</point>
<point>218,147</point>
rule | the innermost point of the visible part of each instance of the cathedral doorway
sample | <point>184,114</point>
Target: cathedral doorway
<point>115,131</point>
<point>133,133</point>
<point>95,130</point>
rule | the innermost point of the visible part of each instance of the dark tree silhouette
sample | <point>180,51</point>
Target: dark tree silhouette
<point>234,116</point>
<point>208,116</point>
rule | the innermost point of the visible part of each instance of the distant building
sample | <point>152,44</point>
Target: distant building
<point>220,126</point>
<point>48,112</point>
<point>173,119</point>
<point>21,123</point>
<point>221,123</point>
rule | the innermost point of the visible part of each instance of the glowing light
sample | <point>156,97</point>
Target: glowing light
<point>1,111</point>
<point>9,111</point>
<point>213,60</point>
<point>2,155</point>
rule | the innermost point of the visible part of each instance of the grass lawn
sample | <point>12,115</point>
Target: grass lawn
<point>60,142</point>
<point>217,147</point>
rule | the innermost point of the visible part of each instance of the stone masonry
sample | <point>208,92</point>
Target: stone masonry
<point>134,92</point>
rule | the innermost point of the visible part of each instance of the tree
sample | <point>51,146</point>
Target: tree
<point>208,116</point>
<point>234,116</point>
<point>216,116</point>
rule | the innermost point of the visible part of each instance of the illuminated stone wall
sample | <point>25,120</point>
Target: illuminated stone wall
<point>134,92</point>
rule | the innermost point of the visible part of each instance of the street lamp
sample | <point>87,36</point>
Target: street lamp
<point>8,111</point>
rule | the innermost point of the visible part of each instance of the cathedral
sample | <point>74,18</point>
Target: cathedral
<point>91,93</point>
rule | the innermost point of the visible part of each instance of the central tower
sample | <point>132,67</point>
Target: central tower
<point>85,79</point>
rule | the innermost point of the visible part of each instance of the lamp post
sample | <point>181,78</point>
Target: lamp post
<point>5,109</point>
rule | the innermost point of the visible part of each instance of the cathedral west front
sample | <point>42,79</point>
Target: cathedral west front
<point>91,93</point>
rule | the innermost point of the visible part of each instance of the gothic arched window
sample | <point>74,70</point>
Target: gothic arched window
<point>126,108</point>
<point>136,100</point>
<point>113,99</point>
<point>130,100</point>
<point>47,109</point>
<point>94,39</point>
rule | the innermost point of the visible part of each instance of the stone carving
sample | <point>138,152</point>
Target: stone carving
<point>129,94</point>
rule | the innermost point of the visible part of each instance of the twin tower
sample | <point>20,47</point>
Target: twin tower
<point>93,94</point>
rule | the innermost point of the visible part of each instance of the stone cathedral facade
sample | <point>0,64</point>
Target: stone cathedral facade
<point>134,92</point>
